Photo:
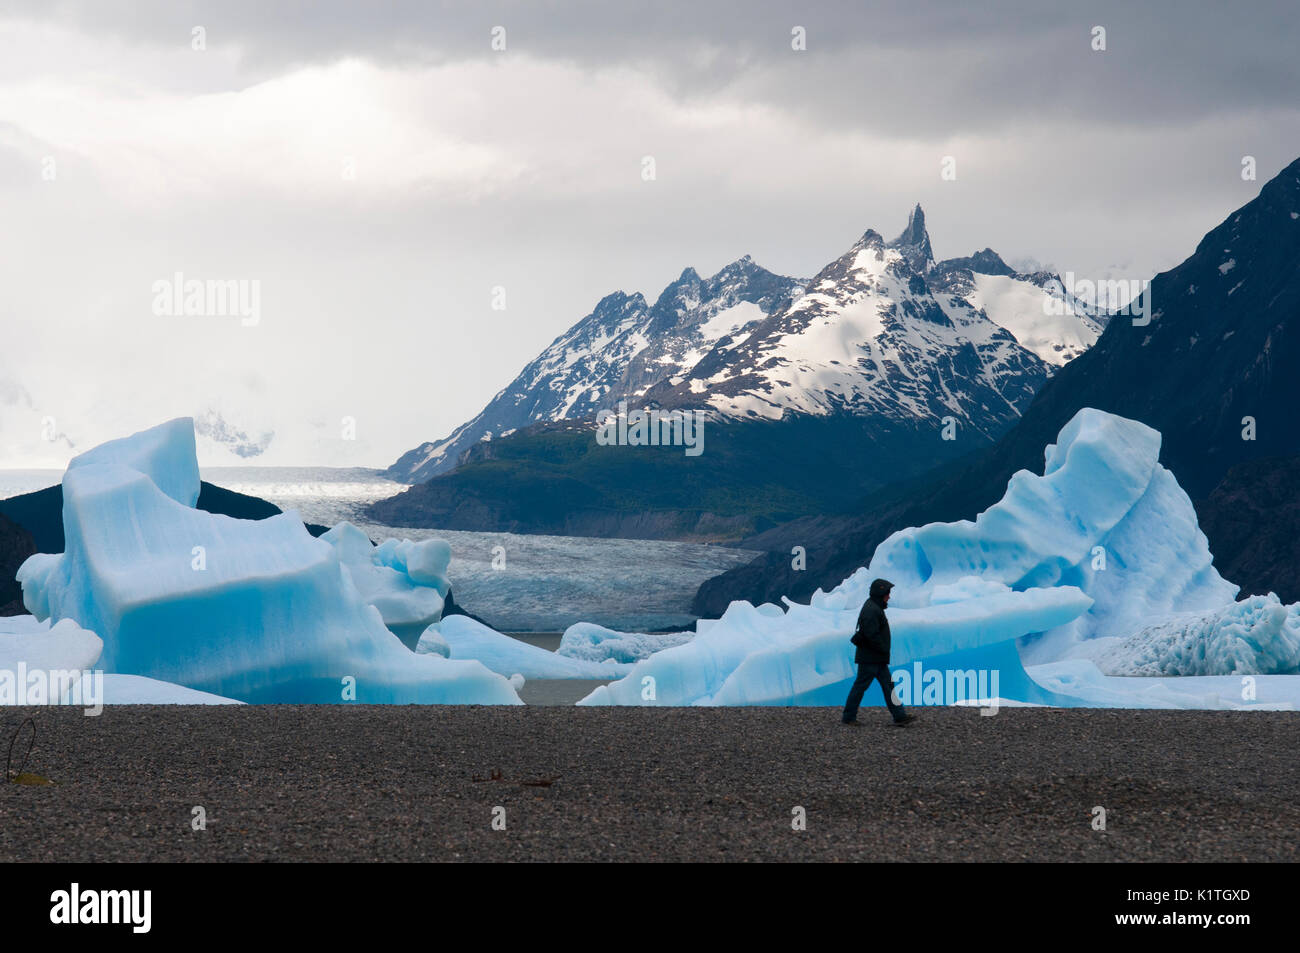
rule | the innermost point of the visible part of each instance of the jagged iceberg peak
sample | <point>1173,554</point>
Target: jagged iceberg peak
<point>166,454</point>
<point>914,243</point>
<point>1105,516</point>
<point>1103,544</point>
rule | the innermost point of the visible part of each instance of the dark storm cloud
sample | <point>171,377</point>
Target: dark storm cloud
<point>898,66</point>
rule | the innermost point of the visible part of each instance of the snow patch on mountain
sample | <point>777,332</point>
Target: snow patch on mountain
<point>1022,308</point>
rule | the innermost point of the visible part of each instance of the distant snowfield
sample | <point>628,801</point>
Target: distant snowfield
<point>290,484</point>
<point>324,495</point>
<point>1019,307</point>
<point>866,339</point>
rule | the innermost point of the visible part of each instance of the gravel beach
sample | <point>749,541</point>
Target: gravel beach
<point>674,784</point>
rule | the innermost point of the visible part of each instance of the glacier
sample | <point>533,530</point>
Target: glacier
<point>1101,550</point>
<point>257,611</point>
<point>1087,585</point>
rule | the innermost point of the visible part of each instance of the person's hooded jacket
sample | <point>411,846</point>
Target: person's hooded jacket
<point>872,635</point>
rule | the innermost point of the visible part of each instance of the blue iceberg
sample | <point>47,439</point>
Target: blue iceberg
<point>257,611</point>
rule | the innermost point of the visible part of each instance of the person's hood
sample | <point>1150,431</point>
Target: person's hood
<point>879,588</point>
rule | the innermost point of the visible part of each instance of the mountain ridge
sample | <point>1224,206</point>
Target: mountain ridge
<point>662,354</point>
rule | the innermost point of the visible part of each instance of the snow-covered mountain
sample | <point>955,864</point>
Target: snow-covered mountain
<point>210,427</point>
<point>619,351</point>
<point>883,330</point>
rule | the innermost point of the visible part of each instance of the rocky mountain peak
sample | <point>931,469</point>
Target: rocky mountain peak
<point>870,239</point>
<point>914,242</point>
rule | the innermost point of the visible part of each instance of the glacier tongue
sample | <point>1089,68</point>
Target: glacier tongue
<point>253,610</point>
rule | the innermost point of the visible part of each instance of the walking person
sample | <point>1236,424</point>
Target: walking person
<point>872,657</point>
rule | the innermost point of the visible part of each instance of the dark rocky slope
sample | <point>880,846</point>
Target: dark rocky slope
<point>1252,520</point>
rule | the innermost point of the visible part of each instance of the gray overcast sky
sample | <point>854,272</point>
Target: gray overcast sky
<point>476,168</point>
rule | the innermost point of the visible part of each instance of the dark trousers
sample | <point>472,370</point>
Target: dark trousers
<point>869,672</point>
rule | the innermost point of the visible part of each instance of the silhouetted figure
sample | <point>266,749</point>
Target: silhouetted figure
<point>872,657</point>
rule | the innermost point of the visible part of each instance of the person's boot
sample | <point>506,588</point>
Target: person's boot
<point>906,719</point>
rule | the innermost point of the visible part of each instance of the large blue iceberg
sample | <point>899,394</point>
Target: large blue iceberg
<point>1105,516</point>
<point>257,611</point>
